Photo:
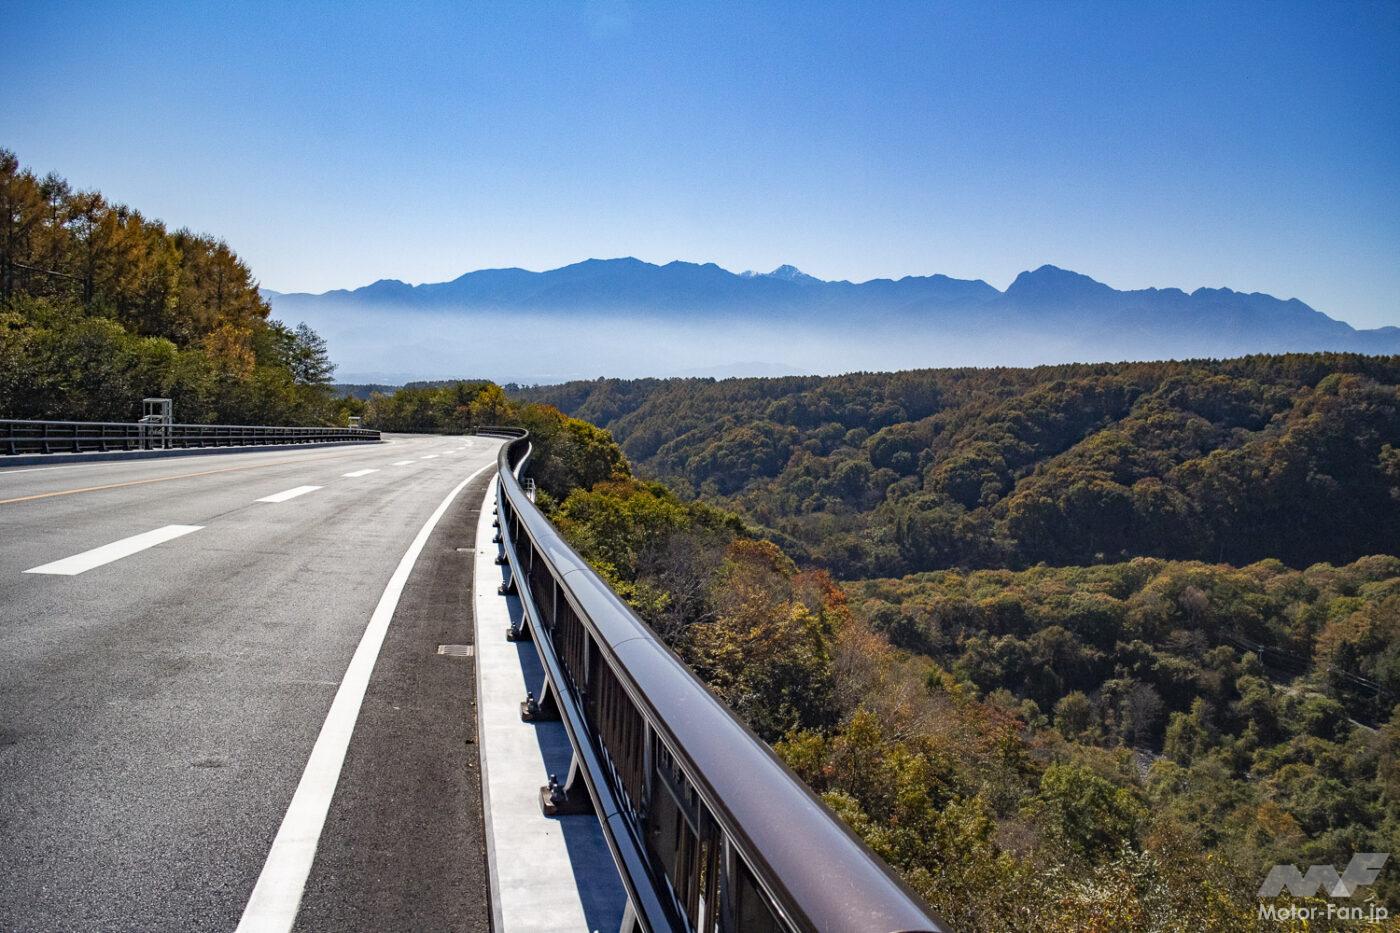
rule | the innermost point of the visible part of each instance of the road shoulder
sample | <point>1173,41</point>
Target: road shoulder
<point>403,845</point>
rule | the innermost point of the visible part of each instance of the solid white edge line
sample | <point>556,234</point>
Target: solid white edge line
<point>292,493</point>
<point>4,473</point>
<point>276,897</point>
<point>96,557</point>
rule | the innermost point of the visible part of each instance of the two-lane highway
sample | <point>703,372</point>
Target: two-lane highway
<point>185,647</point>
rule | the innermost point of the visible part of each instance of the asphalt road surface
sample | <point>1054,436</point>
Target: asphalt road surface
<point>176,645</point>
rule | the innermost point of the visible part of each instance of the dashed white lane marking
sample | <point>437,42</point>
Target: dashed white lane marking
<point>359,473</point>
<point>402,462</point>
<point>276,897</point>
<point>427,456</point>
<point>289,494</point>
<point>71,566</point>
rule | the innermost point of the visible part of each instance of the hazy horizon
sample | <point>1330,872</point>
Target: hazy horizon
<point>627,319</point>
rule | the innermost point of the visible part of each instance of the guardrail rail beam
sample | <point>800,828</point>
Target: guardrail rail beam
<point>44,437</point>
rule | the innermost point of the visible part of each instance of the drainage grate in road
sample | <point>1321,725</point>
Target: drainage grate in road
<point>457,651</point>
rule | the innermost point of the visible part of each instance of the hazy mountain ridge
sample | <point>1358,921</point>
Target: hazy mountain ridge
<point>596,284</point>
<point>635,286</point>
<point>626,317</point>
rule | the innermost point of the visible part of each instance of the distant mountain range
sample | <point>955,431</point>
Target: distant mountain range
<point>1046,315</point>
<point>636,287</point>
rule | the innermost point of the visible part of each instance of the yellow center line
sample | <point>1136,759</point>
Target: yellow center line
<point>166,479</point>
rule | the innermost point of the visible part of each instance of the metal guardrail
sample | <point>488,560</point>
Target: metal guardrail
<point>44,437</point>
<point>710,831</point>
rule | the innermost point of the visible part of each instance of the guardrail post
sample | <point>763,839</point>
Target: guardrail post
<point>545,709</point>
<point>507,588</point>
<point>570,798</point>
<point>728,873</point>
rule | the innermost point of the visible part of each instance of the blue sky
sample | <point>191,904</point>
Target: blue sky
<point>1255,146</point>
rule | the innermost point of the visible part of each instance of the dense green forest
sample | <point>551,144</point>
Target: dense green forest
<point>101,306</point>
<point>1290,457</point>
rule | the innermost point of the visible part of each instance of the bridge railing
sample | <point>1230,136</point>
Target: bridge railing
<point>709,830</point>
<point>43,437</point>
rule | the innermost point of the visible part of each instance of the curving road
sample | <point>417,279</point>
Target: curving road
<point>173,637</point>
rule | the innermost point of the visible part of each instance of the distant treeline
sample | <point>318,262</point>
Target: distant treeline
<point>1294,457</point>
<point>361,392</point>
<point>439,408</point>
<point>101,306</point>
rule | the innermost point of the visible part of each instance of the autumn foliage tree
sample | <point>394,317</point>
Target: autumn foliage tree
<point>100,306</point>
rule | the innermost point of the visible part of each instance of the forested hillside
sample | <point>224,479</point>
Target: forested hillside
<point>101,306</point>
<point>1291,457</point>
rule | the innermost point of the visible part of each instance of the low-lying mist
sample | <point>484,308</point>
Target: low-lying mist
<point>395,346</point>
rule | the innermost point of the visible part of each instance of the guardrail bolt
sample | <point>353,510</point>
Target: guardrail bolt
<point>532,710</point>
<point>556,800</point>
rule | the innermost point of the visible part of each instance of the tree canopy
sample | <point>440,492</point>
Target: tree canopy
<point>101,306</point>
<point>876,474</point>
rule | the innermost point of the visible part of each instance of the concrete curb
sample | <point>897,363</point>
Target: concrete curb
<point>98,456</point>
